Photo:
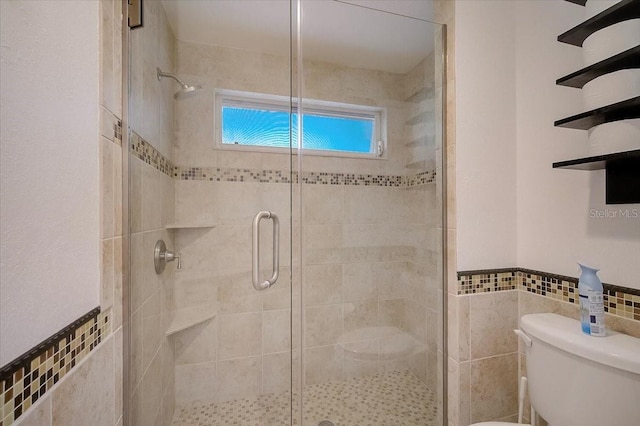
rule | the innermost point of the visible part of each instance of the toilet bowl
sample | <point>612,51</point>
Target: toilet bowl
<point>579,380</point>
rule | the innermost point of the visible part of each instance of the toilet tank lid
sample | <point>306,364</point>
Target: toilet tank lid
<point>616,350</point>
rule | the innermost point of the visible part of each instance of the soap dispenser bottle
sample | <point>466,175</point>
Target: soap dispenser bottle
<point>591,302</point>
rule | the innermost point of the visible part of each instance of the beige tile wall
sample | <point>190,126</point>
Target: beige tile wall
<point>89,394</point>
<point>366,259</point>
<point>151,103</point>
<point>244,351</point>
<point>485,347</point>
<point>489,361</point>
<point>222,68</point>
<point>151,209</point>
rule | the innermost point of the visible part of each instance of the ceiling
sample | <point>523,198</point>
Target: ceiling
<point>332,31</point>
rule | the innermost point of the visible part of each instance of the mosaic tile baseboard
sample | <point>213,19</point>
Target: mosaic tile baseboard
<point>620,301</point>
<point>27,378</point>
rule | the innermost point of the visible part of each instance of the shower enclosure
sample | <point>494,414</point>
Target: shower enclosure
<point>288,155</point>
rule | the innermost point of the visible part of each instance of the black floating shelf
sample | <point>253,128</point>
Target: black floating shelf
<point>580,2</point>
<point>628,59</point>
<point>622,11</point>
<point>598,162</point>
<point>624,110</point>
<point>622,180</point>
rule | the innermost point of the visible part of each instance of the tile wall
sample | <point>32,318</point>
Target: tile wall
<point>481,337</point>
<point>151,210</point>
<point>365,261</point>
<point>244,350</point>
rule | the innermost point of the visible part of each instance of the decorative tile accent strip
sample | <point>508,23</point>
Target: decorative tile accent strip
<point>620,301</point>
<point>315,178</point>
<point>27,378</point>
<point>554,286</point>
<point>312,178</point>
<point>486,281</point>
<point>232,175</point>
<point>110,126</point>
<point>147,153</point>
<point>420,178</point>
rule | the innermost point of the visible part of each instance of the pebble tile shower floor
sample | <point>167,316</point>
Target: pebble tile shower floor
<point>390,398</point>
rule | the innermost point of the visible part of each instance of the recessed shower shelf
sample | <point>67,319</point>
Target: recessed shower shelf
<point>189,226</point>
<point>419,96</point>
<point>188,317</point>
<point>423,141</point>
<point>422,164</point>
<point>421,117</point>
<point>622,11</point>
<point>629,59</point>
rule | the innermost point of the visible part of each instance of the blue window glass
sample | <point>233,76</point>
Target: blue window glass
<point>245,125</point>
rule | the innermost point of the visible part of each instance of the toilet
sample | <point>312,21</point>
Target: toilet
<point>579,380</point>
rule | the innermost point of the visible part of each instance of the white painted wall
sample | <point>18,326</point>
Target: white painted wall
<point>555,227</point>
<point>507,61</point>
<point>485,134</point>
<point>49,217</point>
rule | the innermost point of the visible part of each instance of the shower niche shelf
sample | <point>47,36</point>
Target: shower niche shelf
<point>188,317</point>
<point>189,226</point>
<point>622,11</point>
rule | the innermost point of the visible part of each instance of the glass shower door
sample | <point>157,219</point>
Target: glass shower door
<point>208,342</point>
<point>371,216</point>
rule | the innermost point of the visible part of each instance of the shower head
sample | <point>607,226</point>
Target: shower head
<point>186,91</point>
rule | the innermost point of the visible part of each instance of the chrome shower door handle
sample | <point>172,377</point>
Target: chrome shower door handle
<point>256,250</point>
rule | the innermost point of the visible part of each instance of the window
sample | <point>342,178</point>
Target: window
<point>251,120</point>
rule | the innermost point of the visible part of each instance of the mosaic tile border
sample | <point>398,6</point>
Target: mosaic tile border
<point>144,151</point>
<point>485,281</point>
<point>217,174</point>
<point>620,301</point>
<point>27,378</point>
<point>147,153</point>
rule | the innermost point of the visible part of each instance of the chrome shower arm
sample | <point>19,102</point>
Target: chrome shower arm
<point>160,74</point>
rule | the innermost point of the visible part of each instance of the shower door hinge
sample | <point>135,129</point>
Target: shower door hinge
<point>135,13</point>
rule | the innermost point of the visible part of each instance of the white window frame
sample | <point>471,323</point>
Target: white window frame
<point>378,148</point>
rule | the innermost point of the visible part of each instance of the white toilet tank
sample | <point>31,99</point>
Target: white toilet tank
<point>579,380</point>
